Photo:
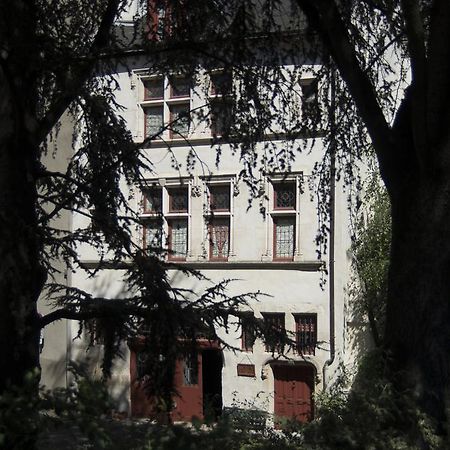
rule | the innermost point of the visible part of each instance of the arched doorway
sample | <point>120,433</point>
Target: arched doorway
<point>293,391</point>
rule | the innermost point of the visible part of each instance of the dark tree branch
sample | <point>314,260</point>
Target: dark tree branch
<point>78,74</point>
<point>438,89</point>
<point>416,43</point>
<point>325,15</point>
<point>92,309</point>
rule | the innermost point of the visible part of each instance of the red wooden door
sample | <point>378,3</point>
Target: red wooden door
<point>189,386</point>
<point>294,386</point>
<point>187,382</point>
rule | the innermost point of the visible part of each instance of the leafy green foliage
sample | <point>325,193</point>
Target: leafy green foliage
<point>222,435</point>
<point>19,414</point>
<point>371,245</point>
<point>372,415</point>
<point>83,405</point>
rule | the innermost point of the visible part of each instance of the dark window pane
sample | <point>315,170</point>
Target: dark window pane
<point>178,200</point>
<point>141,363</point>
<point>154,89</point>
<point>284,196</point>
<point>180,87</point>
<point>248,333</point>
<point>190,370</point>
<point>310,101</point>
<point>275,329</point>
<point>221,117</point>
<point>152,200</point>
<point>219,199</point>
<point>221,83</point>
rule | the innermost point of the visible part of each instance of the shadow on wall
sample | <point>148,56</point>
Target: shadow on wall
<point>357,333</point>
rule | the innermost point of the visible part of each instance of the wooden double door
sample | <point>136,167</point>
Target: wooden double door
<point>197,381</point>
<point>293,392</point>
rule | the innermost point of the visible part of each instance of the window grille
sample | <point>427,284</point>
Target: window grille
<point>275,328</point>
<point>306,333</point>
<point>248,333</point>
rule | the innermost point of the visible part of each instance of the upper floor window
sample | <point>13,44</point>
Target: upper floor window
<point>219,238</point>
<point>190,369</point>
<point>152,200</point>
<point>166,104</point>
<point>177,221</point>
<point>179,120</point>
<point>284,219</point>
<point>220,103</point>
<point>306,333</point>
<point>221,117</point>
<point>153,234</point>
<point>284,195</point>
<point>248,332</point>
<point>310,99</point>
<point>221,83</point>
<point>157,20</point>
<point>219,221</point>
<point>154,89</point>
<point>154,121</point>
<point>166,214</point>
<point>166,19</point>
<point>179,87</point>
<point>284,237</point>
<point>275,326</point>
<point>178,200</point>
<point>219,197</point>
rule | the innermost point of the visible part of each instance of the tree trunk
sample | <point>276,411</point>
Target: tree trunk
<point>21,274</point>
<point>418,314</point>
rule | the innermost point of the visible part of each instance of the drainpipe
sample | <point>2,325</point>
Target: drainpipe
<point>330,360</point>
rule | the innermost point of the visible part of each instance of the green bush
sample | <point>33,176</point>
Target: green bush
<point>19,417</point>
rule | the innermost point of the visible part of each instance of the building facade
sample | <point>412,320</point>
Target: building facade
<point>201,215</point>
